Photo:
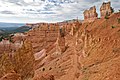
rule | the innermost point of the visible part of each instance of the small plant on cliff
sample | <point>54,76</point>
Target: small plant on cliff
<point>10,39</point>
<point>1,39</point>
<point>113,26</point>
<point>106,16</point>
<point>118,20</point>
<point>112,9</point>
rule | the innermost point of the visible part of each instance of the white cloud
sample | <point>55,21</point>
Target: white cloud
<point>47,10</point>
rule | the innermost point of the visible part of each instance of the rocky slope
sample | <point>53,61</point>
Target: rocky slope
<point>87,51</point>
<point>18,66</point>
<point>67,51</point>
<point>92,54</point>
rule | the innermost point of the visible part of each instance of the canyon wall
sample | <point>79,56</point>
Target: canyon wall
<point>67,51</point>
<point>45,34</point>
<point>92,54</point>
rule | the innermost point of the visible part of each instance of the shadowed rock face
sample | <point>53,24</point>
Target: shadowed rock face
<point>106,9</point>
<point>91,14</point>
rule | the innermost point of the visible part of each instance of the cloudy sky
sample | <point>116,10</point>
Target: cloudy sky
<point>30,11</point>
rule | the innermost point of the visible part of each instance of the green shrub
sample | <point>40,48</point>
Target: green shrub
<point>10,39</point>
<point>1,39</point>
<point>118,20</point>
<point>112,10</point>
<point>113,26</point>
<point>106,17</point>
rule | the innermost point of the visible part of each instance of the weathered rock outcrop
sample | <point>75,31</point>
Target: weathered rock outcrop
<point>90,15</point>
<point>106,9</point>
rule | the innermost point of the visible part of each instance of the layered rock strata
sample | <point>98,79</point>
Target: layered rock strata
<point>90,15</point>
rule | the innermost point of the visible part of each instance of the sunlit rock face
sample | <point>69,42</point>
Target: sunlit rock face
<point>61,39</point>
<point>44,77</point>
<point>89,53</point>
<point>90,15</point>
<point>68,51</point>
<point>11,76</point>
<point>18,66</point>
<point>42,35</point>
<point>13,44</point>
<point>106,9</point>
<point>9,47</point>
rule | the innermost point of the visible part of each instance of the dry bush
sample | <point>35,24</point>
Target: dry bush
<point>24,61</point>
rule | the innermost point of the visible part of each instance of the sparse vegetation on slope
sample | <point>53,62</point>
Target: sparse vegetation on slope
<point>22,62</point>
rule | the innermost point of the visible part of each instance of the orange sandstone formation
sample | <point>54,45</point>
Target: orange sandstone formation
<point>106,9</point>
<point>68,51</point>
<point>46,34</point>
<point>91,51</point>
<point>90,15</point>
